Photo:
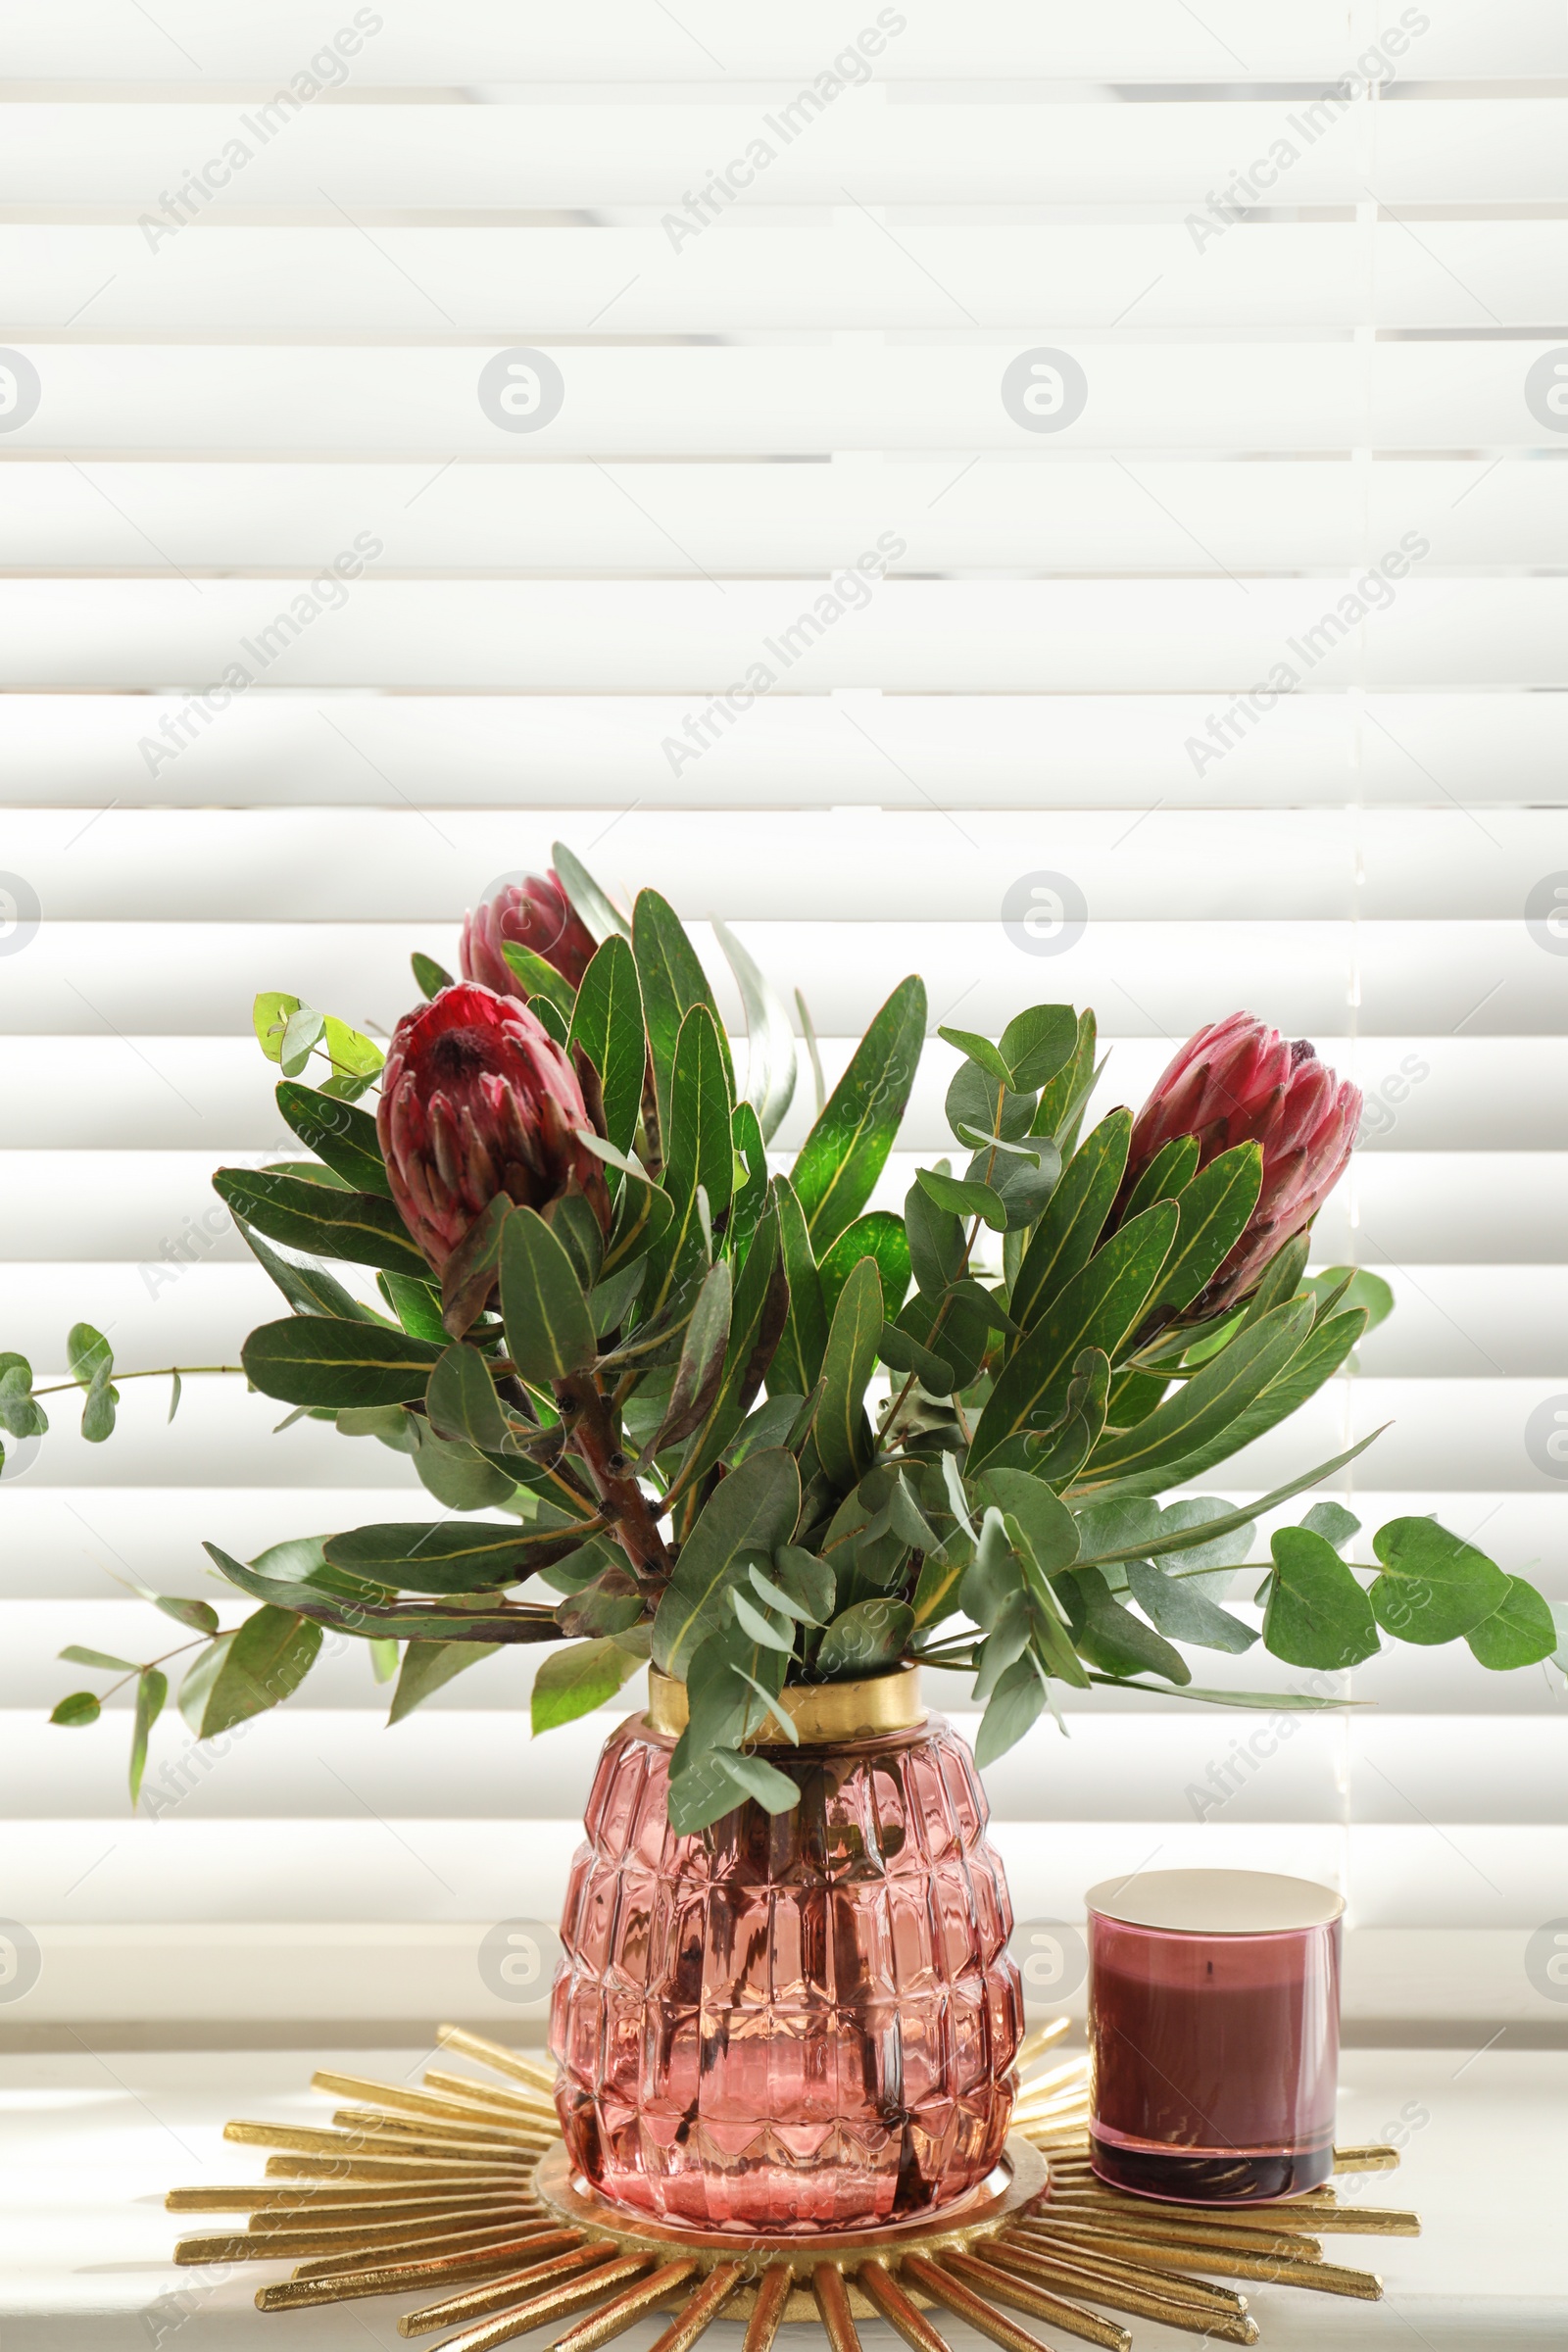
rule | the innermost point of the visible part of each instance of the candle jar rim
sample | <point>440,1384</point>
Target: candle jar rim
<point>1215,1903</point>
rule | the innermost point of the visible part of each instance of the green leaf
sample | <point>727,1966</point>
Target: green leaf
<point>537,978</point>
<point>1169,1172</point>
<point>152,1688</point>
<point>1097,1309</point>
<point>703,1790</point>
<point>1282,1278</point>
<point>936,1242</point>
<point>573,1681</point>
<point>1316,1613</point>
<point>699,1142</point>
<point>1066,1097</point>
<point>847,1149</point>
<point>254,1669</point>
<point>771,1064</point>
<point>462,1402</point>
<point>1434,1585</point>
<point>1520,1631</point>
<point>1178,1608</point>
<point>317,1360</point>
<point>1215,1209</point>
<point>325,1222</point>
<point>1022,1177</point>
<point>1111,1636</point>
<point>356,1061</point>
<point>384,1659</point>
<point>963,1199</point>
<point>757,1321</point>
<point>1058,1453</point>
<point>902,1353</point>
<point>370,1612</point>
<point>1270,1702</point>
<point>981,1051</point>
<point>592,903</point>
<point>1210,1530</point>
<point>269,1015</point>
<point>429,977</point>
<point>698,1157</point>
<point>307,1288</point>
<point>841,1430</point>
<point>881,1237</point>
<point>21,1414</point>
<point>79,1709</point>
<point>941,1573</point>
<point>98,1411</point>
<point>415,1306</point>
<point>1016,1703</point>
<point>980,1102</point>
<point>580,1233</point>
<point>1204,1408</point>
<point>701,1366</point>
<point>456,1474</point>
<point>760,1625</point>
<point>643,1217</point>
<point>75,1655</point>
<point>607,1024</point>
<point>87,1353</point>
<point>672,983</point>
<point>867,1638</point>
<point>1361,1288</point>
<point>1333,1522</point>
<point>199,1615</point>
<point>754,1778</point>
<point>800,1586</point>
<point>427,1667</point>
<point>1049,1527</point>
<point>549,1331</point>
<point>804,1341</point>
<point>448,1556</point>
<point>1039,1045</point>
<point>337,1133</point>
<point>748,1515</point>
<point>1319,1355</point>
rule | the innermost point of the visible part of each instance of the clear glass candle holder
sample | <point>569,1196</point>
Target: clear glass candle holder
<point>1213,2034</point>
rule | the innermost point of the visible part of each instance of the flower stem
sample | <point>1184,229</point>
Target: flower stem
<point>633,1518</point>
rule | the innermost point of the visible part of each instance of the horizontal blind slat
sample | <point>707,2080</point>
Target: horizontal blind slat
<point>1075,515</point>
<point>443,284</point>
<point>1007,41</point>
<point>746,640</point>
<point>404,397</point>
<point>520,150</point>
<point>800,750</point>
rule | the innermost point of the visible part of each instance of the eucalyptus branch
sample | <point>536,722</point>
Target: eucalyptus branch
<point>158,1372</point>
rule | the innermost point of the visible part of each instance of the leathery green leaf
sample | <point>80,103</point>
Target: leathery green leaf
<point>847,1150</point>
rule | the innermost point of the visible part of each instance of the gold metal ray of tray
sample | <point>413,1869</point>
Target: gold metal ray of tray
<point>460,2190</point>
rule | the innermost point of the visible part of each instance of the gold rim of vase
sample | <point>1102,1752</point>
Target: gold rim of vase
<point>825,1714</point>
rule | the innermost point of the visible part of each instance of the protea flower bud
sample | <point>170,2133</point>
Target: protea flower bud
<point>1239,1080</point>
<point>534,913</point>
<point>477,1099</point>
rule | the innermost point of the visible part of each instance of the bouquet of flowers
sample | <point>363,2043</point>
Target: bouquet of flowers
<point>677,1407</point>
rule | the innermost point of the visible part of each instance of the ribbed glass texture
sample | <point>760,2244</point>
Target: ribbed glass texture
<point>802,2021</point>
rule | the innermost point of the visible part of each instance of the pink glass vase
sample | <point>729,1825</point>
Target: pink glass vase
<point>796,2022</point>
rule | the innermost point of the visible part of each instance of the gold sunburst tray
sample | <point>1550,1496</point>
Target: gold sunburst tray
<point>462,2188</point>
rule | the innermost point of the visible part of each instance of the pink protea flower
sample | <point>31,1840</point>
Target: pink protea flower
<point>477,1099</point>
<point>1239,1080</point>
<point>536,914</point>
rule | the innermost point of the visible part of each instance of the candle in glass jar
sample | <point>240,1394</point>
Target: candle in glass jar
<point>1213,2033</point>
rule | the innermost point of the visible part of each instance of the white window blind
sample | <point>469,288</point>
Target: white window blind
<point>1307,270</point>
